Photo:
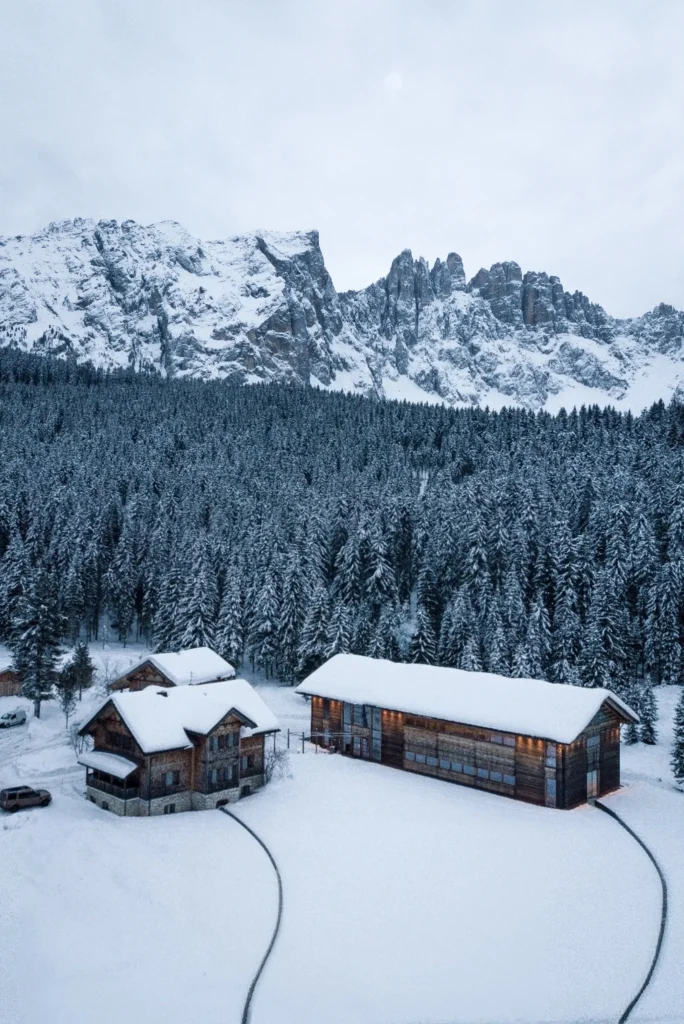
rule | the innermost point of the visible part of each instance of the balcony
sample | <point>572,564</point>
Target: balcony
<point>122,792</point>
<point>163,790</point>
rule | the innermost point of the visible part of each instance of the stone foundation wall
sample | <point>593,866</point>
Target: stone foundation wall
<point>185,801</point>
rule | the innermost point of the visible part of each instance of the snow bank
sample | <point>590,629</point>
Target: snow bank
<point>528,707</point>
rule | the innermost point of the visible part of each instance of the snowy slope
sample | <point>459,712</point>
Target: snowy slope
<point>263,307</point>
<point>441,903</point>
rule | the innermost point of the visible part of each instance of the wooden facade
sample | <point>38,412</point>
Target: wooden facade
<point>214,769</point>
<point>529,768</point>
<point>10,685</point>
<point>144,675</point>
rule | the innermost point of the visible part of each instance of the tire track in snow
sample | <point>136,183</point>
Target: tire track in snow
<point>247,1008</point>
<point>663,909</point>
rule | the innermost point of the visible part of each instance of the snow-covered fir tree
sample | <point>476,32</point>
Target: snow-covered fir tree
<point>543,545</point>
<point>677,760</point>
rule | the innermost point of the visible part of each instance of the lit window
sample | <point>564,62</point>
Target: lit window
<point>456,766</point>
<point>410,756</point>
<point>482,773</point>
<point>444,764</point>
<point>509,780</point>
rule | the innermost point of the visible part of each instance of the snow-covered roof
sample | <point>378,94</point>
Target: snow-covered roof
<point>160,718</point>
<point>528,707</point>
<point>112,764</point>
<point>191,667</point>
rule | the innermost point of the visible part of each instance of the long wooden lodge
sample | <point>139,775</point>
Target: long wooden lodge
<point>541,742</point>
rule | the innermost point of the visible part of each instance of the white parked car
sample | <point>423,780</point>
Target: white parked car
<point>10,718</point>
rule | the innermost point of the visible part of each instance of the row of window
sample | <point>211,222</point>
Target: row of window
<point>119,740</point>
<point>506,741</point>
<point>225,741</point>
<point>463,769</point>
<point>227,775</point>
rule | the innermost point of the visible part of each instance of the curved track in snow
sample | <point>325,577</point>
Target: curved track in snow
<point>247,1008</point>
<point>663,910</point>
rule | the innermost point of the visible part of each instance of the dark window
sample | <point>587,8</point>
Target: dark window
<point>550,755</point>
<point>593,741</point>
<point>169,809</point>
<point>119,740</point>
<point>509,780</point>
<point>482,773</point>
<point>551,792</point>
<point>104,805</point>
<point>468,769</point>
<point>410,756</point>
<point>496,776</point>
<point>172,778</point>
<point>213,743</point>
<point>509,741</point>
<point>444,764</point>
<point>326,707</point>
<point>214,776</point>
<point>456,766</point>
<point>420,758</point>
<point>360,714</point>
<point>496,738</point>
<point>432,761</point>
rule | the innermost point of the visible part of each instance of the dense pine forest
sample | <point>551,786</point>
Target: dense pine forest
<point>281,525</point>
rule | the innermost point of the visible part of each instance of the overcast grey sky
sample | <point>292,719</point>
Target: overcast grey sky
<point>549,133</point>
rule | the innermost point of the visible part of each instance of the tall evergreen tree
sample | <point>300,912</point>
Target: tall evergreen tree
<point>648,713</point>
<point>677,761</point>
<point>423,646</point>
<point>36,639</point>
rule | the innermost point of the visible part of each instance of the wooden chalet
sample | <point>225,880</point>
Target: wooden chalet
<point>162,749</point>
<point>194,666</point>
<point>540,742</point>
<point>10,685</point>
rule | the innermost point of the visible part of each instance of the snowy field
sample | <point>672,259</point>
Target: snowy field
<point>407,900</point>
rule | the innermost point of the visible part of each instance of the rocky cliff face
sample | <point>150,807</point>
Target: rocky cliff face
<point>263,307</point>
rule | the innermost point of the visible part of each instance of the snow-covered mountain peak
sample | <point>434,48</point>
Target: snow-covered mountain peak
<point>262,306</point>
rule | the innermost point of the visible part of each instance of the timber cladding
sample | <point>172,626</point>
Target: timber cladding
<point>528,768</point>
<point>145,675</point>
<point>9,683</point>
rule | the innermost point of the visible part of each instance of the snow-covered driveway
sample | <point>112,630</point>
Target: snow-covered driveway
<point>407,901</point>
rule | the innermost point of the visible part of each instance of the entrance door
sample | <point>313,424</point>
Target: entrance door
<point>593,755</point>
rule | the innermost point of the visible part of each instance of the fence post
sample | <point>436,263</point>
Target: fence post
<point>302,743</point>
<point>288,739</point>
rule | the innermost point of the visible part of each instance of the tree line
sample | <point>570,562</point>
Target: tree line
<point>281,525</point>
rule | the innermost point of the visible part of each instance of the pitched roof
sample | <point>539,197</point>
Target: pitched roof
<point>527,707</point>
<point>161,719</point>
<point>191,667</point>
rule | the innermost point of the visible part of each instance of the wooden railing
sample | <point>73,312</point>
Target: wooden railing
<point>122,792</point>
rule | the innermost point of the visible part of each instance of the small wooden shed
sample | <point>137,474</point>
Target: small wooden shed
<point>9,683</point>
<point>194,666</point>
<point>540,742</point>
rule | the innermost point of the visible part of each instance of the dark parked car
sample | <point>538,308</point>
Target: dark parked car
<point>18,797</point>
